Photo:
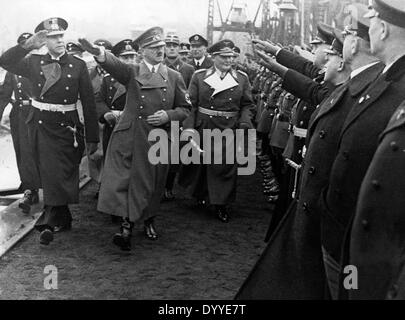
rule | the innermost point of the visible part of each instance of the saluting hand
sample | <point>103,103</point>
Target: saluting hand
<point>158,118</point>
<point>37,41</point>
<point>266,46</point>
<point>89,47</point>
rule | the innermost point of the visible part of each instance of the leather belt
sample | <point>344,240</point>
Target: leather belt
<point>298,132</point>
<point>227,114</point>
<point>54,107</point>
<point>25,102</point>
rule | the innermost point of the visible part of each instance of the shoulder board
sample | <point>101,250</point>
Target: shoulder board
<point>200,70</point>
<point>243,73</point>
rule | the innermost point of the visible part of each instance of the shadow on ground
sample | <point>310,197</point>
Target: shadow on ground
<point>197,256</point>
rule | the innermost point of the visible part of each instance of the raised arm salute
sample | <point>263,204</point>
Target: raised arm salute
<point>56,134</point>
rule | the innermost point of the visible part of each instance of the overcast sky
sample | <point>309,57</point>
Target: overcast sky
<point>113,19</point>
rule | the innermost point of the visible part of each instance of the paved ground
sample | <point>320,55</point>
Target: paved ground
<point>197,257</point>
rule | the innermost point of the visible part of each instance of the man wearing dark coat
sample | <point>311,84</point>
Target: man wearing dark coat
<point>221,99</point>
<point>111,97</point>
<point>29,175</point>
<point>55,132</point>
<point>374,241</point>
<point>294,253</point>
<point>132,186</point>
<point>199,59</point>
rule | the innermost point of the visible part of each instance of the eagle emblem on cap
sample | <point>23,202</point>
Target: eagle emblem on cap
<point>156,37</point>
<point>54,24</point>
<point>128,47</point>
<point>196,37</point>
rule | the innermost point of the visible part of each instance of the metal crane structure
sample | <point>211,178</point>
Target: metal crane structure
<point>237,20</point>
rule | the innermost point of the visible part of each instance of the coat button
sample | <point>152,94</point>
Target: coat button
<point>311,170</point>
<point>64,100</point>
<point>41,73</point>
<point>40,121</point>
<point>305,109</point>
<point>210,116</point>
<point>164,89</point>
<point>112,79</point>
<point>111,88</point>
<point>140,107</point>
<point>375,184</point>
<point>39,84</point>
<point>143,97</point>
<point>394,146</point>
<point>230,99</point>
<point>67,88</point>
<point>140,117</point>
<point>164,100</point>
<point>69,76</point>
<point>19,77</point>
<point>365,224</point>
<point>70,65</point>
<point>322,134</point>
<point>393,292</point>
<point>301,123</point>
<point>305,206</point>
<point>212,107</point>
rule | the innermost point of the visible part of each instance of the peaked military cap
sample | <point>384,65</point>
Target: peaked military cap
<point>198,40</point>
<point>24,37</point>
<point>54,26</point>
<point>392,11</point>
<point>172,38</point>
<point>358,25</point>
<point>73,48</point>
<point>184,47</point>
<point>104,43</point>
<point>224,48</point>
<point>336,47</point>
<point>325,34</point>
<point>124,47</point>
<point>152,37</point>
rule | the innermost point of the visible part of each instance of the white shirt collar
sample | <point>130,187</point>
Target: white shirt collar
<point>150,66</point>
<point>56,58</point>
<point>199,61</point>
<point>357,71</point>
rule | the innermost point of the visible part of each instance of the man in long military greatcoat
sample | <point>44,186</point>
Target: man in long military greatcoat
<point>55,132</point>
<point>131,185</point>
<point>221,99</point>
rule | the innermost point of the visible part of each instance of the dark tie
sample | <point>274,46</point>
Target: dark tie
<point>153,69</point>
<point>198,65</point>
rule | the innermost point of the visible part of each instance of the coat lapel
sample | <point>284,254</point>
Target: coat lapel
<point>215,82</point>
<point>150,80</point>
<point>365,101</point>
<point>121,90</point>
<point>397,120</point>
<point>329,103</point>
<point>52,73</point>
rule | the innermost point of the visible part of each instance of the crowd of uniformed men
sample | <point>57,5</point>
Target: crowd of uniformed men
<point>330,126</point>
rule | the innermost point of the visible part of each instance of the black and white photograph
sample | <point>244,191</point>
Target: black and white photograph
<point>216,152</point>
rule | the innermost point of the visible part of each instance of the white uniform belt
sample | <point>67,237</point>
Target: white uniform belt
<point>298,132</point>
<point>53,107</point>
<point>117,113</point>
<point>218,113</point>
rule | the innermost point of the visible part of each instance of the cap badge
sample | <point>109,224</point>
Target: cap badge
<point>196,37</point>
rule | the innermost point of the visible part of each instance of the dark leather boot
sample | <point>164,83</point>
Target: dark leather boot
<point>123,238</point>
